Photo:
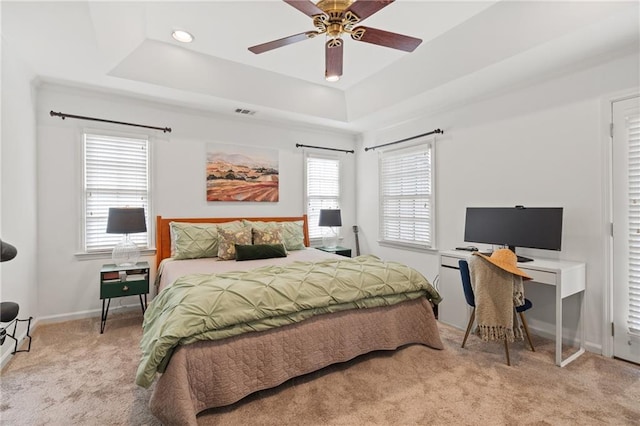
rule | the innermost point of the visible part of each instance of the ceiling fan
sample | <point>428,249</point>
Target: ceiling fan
<point>335,18</point>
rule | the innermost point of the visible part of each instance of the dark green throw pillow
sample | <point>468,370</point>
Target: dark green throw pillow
<point>259,251</point>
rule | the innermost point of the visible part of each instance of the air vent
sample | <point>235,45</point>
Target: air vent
<point>245,111</point>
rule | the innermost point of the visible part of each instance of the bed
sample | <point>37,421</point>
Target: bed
<point>206,374</point>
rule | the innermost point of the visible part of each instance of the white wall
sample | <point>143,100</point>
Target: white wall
<point>18,277</point>
<point>543,145</point>
<point>71,285</point>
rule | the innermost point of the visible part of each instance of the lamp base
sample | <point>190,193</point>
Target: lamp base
<point>126,252</point>
<point>330,238</point>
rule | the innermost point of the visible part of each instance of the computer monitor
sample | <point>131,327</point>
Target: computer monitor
<point>529,227</point>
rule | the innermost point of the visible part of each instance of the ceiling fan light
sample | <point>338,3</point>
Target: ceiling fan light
<point>182,36</point>
<point>332,78</point>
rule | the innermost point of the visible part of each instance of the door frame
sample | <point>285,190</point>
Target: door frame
<point>607,300</point>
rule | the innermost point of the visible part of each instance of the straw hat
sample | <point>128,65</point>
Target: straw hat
<point>505,259</point>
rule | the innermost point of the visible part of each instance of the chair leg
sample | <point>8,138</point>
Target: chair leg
<point>471,319</point>
<point>526,330</point>
<point>506,350</point>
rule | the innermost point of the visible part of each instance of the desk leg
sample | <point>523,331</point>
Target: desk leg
<point>558,326</point>
<point>581,333</point>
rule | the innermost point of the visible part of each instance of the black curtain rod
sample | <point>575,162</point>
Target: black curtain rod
<point>80,117</point>
<point>404,140</point>
<point>298,145</point>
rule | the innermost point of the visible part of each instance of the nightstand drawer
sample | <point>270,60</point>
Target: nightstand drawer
<point>123,288</point>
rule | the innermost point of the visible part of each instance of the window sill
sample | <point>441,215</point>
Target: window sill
<point>407,246</point>
<point>107,254</point>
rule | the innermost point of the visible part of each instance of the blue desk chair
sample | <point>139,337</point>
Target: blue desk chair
<point>471,301</point>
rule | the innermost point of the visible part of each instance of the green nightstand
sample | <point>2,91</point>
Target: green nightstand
<point>121,281</point>
<point>342,251</point>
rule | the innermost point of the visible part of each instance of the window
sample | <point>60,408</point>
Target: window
<point>406,196</point>
<point>116,174</point>
<point>323,189</point>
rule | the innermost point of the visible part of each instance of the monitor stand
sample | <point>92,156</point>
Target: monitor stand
<point>521,259</point>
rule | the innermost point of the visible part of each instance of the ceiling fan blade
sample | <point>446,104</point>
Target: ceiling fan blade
<point>306,7</point>
<point>385,38</point>
<point>265,47</point>
<point>365,8</point>
<point>333,59</point>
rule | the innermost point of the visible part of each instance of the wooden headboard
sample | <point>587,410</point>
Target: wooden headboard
<point>163,234</point>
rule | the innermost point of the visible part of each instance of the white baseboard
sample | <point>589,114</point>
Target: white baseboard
<point>548,331</point>
<point>51,319</point>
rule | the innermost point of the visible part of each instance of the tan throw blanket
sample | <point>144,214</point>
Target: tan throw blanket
<point>496,293</point>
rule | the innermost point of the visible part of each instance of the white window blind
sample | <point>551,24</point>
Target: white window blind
<point>116,174</point>
<point>323,189</point>
<point>634,224</point>
<point>406,194</point>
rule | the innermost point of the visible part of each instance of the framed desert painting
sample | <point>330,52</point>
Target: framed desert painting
<point>237,173</point>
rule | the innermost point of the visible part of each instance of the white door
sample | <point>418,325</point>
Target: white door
<point>626,229</point>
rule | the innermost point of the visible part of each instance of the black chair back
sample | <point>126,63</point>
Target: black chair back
<point>466,282</point>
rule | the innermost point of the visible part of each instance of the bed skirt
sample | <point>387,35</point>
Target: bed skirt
<point>211,374</point>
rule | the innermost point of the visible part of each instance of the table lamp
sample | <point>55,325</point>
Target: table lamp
<point>331,219</point>
<point>126,221</point>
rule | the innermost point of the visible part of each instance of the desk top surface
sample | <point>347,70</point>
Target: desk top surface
<point>539,264</point>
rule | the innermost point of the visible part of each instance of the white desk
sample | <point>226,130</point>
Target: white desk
<point>567,277</point>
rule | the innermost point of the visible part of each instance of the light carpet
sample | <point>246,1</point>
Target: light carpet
<point>76,376</point>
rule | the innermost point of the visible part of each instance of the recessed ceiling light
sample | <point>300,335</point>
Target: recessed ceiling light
<point>332,78</point>
<point>182,36</point>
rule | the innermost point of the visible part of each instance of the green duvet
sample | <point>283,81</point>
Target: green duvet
<point>215,306</point>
